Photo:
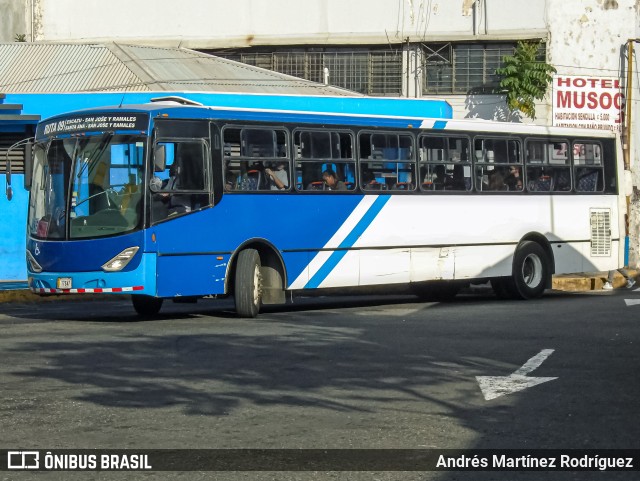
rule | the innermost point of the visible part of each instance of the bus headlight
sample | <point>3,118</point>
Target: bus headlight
<point>33,263</point>
<point>120,261</point>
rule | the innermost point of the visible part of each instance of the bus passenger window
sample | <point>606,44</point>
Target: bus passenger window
<point>256,159</point>
<point>444,163</point>
<point>547,165</point>
<point>319,151</point>
<point>183,186</point>
<point>387,161</point>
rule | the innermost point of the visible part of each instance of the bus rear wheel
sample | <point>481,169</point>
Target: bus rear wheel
<point>248,284</point>
<point>531,272</point>
<point>146,305</point>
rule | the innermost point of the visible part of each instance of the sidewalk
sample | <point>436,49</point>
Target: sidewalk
<point>590,281</point>
<point>16,291</point>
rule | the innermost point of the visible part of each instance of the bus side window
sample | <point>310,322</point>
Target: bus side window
<point>547,166</point>
<point>318,151</point>
<point>184,184</point>
<point>444,163</point>
<point>387,161</point>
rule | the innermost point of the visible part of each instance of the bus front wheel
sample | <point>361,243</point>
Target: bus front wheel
<point>530,271</point>
<point>248,284</point>
<point>146,305</point>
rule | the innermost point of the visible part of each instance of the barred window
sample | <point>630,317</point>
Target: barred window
<point>465,67</point>
<point>369,71</point>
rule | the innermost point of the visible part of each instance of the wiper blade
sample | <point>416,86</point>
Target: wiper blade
<point>90,161</point>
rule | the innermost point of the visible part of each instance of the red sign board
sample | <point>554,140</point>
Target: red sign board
<point>587,102</point>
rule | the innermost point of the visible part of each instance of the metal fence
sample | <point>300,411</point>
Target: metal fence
<point>366,71</point>
<point>442,68</point>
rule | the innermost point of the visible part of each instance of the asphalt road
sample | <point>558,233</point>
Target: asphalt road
<point>338,373</point>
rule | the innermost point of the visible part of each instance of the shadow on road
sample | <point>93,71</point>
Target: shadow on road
<point>388,357</point>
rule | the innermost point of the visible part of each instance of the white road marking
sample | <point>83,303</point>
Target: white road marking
<point>493,387</point>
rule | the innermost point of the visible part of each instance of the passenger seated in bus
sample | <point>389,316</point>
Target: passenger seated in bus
<point>277,177</point>
<point>369,181</point>
<point>367,177</point>
<point>457,181</point>
<point>496,181</point>
<point>331,181</point>
<point>513,180</point>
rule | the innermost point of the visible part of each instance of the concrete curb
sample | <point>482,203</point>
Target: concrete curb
<point>590,281</point>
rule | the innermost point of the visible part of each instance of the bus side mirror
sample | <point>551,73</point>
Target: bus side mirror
<point>159,158</point>
<point>28,165</point>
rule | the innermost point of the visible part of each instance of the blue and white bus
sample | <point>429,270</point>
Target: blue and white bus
<point>267,202</point>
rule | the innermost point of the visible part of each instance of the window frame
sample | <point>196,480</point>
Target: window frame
<point>490,165</point>
<point>303,164</point>
<point>600,187</point>
<point>546,163</point>
<point>262,186</point>
<point>447,160</point>
<point>376,183</point>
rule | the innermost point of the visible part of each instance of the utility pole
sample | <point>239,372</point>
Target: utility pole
<point>633,214</point>
<point>628,109</point>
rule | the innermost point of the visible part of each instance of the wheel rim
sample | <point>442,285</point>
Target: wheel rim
<point>256,285</point>
<point>532,270</point>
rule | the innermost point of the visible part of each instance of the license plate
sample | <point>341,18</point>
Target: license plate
<point>64,283</point>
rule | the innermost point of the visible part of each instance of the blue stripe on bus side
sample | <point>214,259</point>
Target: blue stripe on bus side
<point>347,243</point>
<point>440,124</point>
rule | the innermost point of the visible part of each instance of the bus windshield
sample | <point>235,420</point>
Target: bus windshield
<point>85,187</point>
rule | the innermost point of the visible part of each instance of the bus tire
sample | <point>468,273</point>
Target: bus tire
<point>248,284</point>
<point>530,272</point>
<point>146,305</point>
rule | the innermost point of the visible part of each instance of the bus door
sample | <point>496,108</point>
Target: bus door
<point>181,191</point>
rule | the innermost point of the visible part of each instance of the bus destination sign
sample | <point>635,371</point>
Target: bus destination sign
<point>93,123</point>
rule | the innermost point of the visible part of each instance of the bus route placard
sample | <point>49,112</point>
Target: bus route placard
<point>103,122</point>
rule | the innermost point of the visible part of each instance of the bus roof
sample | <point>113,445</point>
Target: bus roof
<point>373,106</point>
<point>380,112</point>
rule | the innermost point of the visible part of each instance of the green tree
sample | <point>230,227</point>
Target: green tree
<point>524,78</point>
<point>20,37</point>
